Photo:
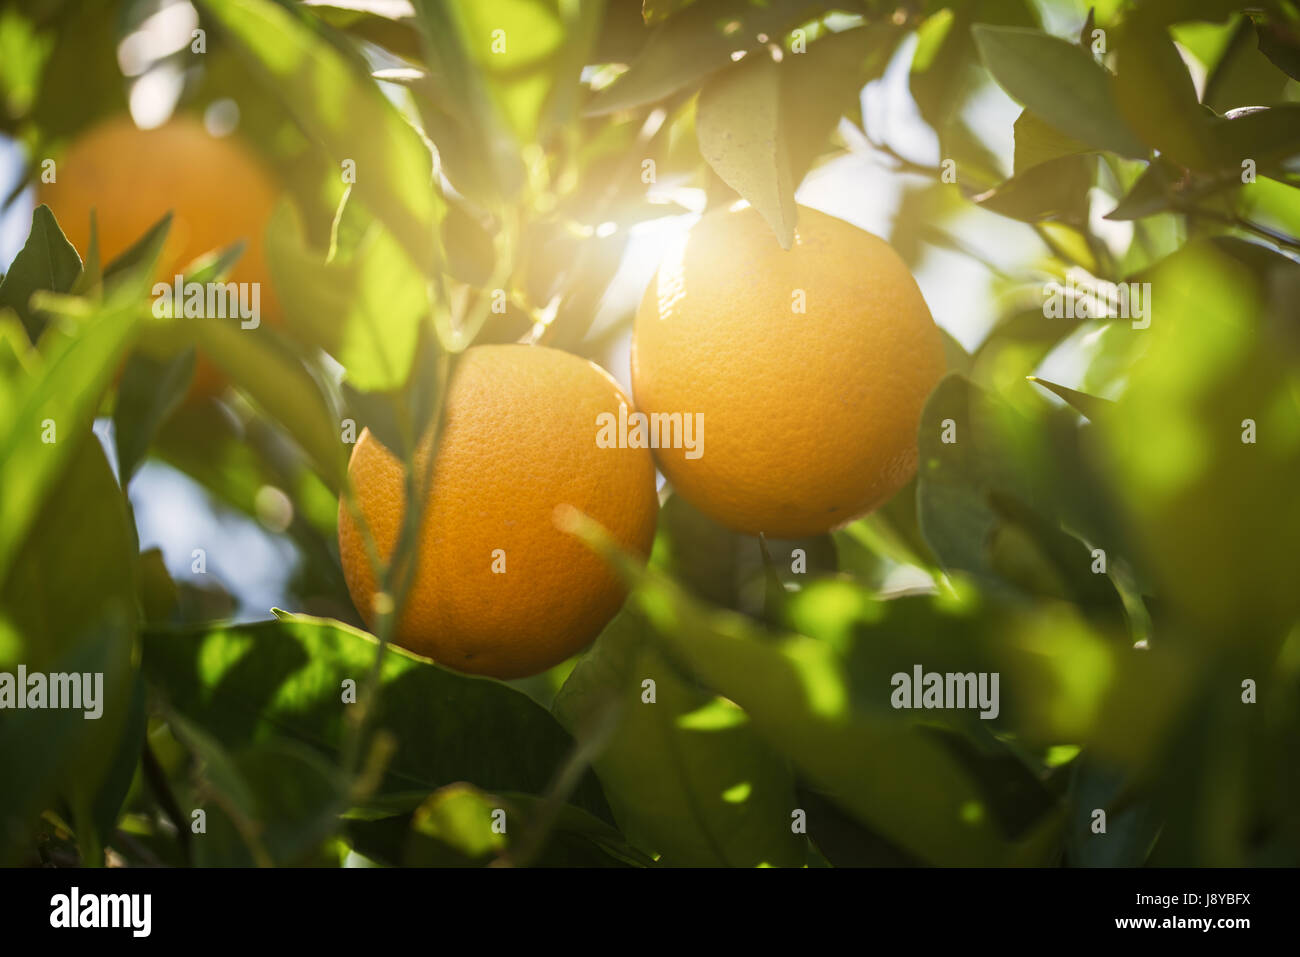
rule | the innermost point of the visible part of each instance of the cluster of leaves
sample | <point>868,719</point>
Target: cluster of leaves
<point>1112,549</point>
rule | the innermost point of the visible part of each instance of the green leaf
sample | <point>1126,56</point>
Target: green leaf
<point>795,692</point>
<point>462,826</point>
<point>245,683</point>
<point>700,40</point>
<point>653,11</point>
<point>1005,498</point>
<point>73,617</point>
<point>1091,406</point>
<point>1219,371</point>
<point>280,384</point>
<point>686,775</point>
<point>1156,95</point>
<point>699,552</point>
<point>1154,192</point>
<point>272,803</point>
<point>1061,83</point>
<point>338,106</point>
<point>47,261</point>
<point>389,23</point>
<point>455,825</point>
<point>136,262</point>
<point>1037,141</point>
<point>126,759</point>
<point>149,391</point>
<point>76,370</point>
<point>738,125</point>
<point>1131,829</point>
<point>1268,136</point>
<point>364,307</point>
<point>1281,46</point>
<point>824,84</point>
<point>1054,190</point>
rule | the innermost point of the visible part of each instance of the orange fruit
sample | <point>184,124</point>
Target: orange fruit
<point>499,589</point>
<point>809,369</point>
<point>215,188</point>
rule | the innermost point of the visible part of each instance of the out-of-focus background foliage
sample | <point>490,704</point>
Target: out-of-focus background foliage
<point>1101,534</point>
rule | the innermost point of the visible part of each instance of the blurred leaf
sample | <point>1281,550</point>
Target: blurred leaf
<point>655,10</point>
<point>475,143</point>
<point>1061,83</point>
<point>698,41</point>
<point>998,499</point>
<point>400,417</point>
<point>136,262</point>
<point>454,827</point>
<point>47,261</point>
<point>247,682</point>
<point>23,51</point>
<point>266,804</point>
<point>738,123</point>
<point>76,370</point>
<point>148,392</point>
<point>698,552</point>
<point>340,108</point>
<point>686,775</point>
<point>69,617</point>
<point>294,799</point>
<point>1281,44</point>
<point>81,80</point>
<point>1180,453</point>
<point>845,842</point>
<point>794,691</point>
<point>364,307</point>
<point>57,754</point>
<point>126,758</point>
<point>388,23</point>
<point>278,382</point>
<point>1131,829</point>
<point>158,594</point>
<point>470,251</point>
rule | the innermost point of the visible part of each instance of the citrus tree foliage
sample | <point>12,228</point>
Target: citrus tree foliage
<point>1104,515</point>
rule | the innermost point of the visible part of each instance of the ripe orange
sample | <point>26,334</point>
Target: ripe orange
<point>217,192</point>
<point>499,589</point>
<point>809,417</point>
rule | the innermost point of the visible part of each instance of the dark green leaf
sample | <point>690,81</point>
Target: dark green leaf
<point>245,683</point>
<point>686,775</point>
<point>47,261</point>
<point>1053,190</point>
<point>149,391</point>
<point>1091,406</point>
<point>1061,83</point>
